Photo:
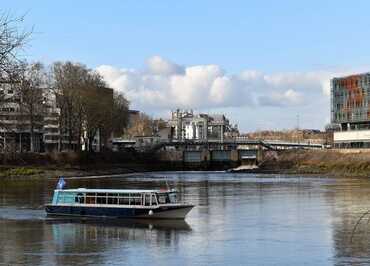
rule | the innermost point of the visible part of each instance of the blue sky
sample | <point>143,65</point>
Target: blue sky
<point>293,46</point>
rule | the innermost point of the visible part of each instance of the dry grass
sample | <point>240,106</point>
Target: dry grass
<point>322,162</point>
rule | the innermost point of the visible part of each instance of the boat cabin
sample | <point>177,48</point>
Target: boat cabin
<point>114,197</point>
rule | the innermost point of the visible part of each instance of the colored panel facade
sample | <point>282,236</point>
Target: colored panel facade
<point>350,109</point>
<point>350,98</point>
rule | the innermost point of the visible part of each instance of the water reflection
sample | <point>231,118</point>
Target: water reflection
<point>350,200</point>
<point>62,241</point>
<point>239,219</point>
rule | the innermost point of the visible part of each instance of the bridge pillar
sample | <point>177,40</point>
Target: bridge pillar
<point>234,155</point>
<point>206,155</point>
<point>259,154</point>
<point>222,134</point>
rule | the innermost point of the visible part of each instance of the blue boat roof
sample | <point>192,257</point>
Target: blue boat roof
<point>86,190</point>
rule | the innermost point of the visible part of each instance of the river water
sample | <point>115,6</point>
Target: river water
<point>239,219</point>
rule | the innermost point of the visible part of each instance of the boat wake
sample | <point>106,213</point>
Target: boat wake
<point>22,214</point>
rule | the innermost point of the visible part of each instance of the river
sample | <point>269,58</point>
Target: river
<point>239,219</point>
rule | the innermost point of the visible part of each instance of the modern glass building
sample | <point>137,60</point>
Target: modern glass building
<point>350,110</point>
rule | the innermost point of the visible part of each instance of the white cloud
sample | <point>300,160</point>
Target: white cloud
<point>160,66</point>
<point>167,85</point>
<point>287,98</point>
<point>164,85</point>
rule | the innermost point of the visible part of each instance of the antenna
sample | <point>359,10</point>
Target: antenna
<point>297,121</point>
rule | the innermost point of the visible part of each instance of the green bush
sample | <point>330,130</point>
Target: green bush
<point>20,171</point>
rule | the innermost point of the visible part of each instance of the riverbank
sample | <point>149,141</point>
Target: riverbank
<point>344,163</point>
<point>40,172</point>
<point>71,164</point>
<point>47,171</point>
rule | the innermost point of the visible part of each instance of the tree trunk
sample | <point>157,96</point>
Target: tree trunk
<point>100,140</point>
<point>70,132</point>
<point>91,136</point>
<point>60,134</point>
<point>32,137</point>
<point>4,149</point>
<point>20,142</point>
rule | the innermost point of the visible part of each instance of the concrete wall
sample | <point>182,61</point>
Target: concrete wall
<point>198,156</point>
<point>350,151</point>
<point>354,135</point>
<point>170,156</point>
<point>247,153</point>
<point>221,155</point>
<point>193,156</point>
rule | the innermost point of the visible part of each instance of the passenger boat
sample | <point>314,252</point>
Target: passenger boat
<point>118,203</point>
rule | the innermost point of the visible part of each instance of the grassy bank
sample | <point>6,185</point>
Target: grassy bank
<point>36,166</point>
<point>349,163</point>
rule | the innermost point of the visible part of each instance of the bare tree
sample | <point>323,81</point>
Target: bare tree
<point>88,108</point>
<point>12,40</point>
<point>119,114</point>
<point>30,91</point>
<point>69,82</point>
<point>97,106</point>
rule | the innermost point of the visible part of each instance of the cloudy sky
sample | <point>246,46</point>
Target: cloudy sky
<point>265,64</point>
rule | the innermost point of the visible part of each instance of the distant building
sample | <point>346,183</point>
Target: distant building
<point>15,123</point>
<point>49,129</point>
<point>133,115</point>
<point>350,111</point>
<point>185,125</point>
<point>312,136</point>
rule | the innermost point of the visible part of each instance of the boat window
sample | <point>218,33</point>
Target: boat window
<point>112,199</point>
<point>135,199</point>
<point>146,198</point>
<point>124,201</point>
<point>66,197</point>
<point>154,199</point>
<point>101,198</point>
<point>90,198</point>
<point>163,198</point>
<point>173,197</point>
<point>80,198</point>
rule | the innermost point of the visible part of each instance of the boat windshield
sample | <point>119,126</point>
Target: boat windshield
<point>167,197</point>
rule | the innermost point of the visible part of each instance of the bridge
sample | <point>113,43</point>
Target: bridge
<point>238,143</point>
<point>237,150</point>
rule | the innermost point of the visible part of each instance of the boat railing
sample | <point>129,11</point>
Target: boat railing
<point>135,199</point>
<point>109,198</point>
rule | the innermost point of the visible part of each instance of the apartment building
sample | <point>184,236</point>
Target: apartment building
<point>49,129</point>
<point>15,122</point>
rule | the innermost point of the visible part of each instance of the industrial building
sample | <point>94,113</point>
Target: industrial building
<point>350,111</point>
<point>185,125</point>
